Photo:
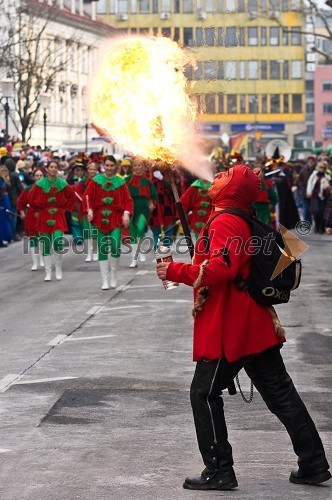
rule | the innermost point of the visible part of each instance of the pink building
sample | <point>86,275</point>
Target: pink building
<point>323,105</point>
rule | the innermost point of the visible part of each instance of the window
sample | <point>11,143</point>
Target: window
<point>154,31</point>
<point>264,103</point>
<point>133,6</point>
<point>231,40</point>
<point>310,107</point>
<point>252,70</point>
<point>285,38</point>
<point>199,71</point>
<point>101,7</point>
<point>327,86</point>
<point>166,32</point>
<point>123,7</point>
<point>230,5</point>
<point>112,6</point>
<point>327,109</point>
<point>242,38</point>
<point>263,36</point>
<point>188,72</point>
<point>309,85</point>
<point>296,70</point>
<point>240,6</point>
<point>263,5</point>
<point>165,5</point>
<point>274,36</point>
<point>220,37</point>
<point>275,103</point>
<point>230,70</point>
<point>210,104</point>
<point>220,70</point>
<point>221,103</point>
<point>209,6</point>
<point>286,103</point>
<point>188,37</point>
<point>263,70</point>
<point>188,6</point>
<point>242,70</point>
<point>144,31</point>
<point>296,36</point>
<point>209,70</point>
<point>274,70</point>
<point>144,6</point>
<point>242,103</point>
<point>253,104</point>
<point>252,36</point>
<point>209,37</point>
<point>155,6</point>
<point>220,5</point>
<point>285,70</point>
<point>199,37</point>
<point>176,37</point>
<point>176,6</point>
<point>297,103</point>
<point>284,5</point>
<point>231,103</point>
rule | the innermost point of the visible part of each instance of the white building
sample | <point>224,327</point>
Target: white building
<point>73,35</point>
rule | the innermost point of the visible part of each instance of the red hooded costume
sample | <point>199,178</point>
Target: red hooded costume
<point>228,322</point>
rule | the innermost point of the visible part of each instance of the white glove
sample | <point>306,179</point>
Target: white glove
<point>158,175</point>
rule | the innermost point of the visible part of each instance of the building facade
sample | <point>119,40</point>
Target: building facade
<point>249,74</point>
<point>323,105</point>
<point>73,36</point>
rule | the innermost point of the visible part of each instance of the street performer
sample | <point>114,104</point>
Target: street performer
<point>232,331</point>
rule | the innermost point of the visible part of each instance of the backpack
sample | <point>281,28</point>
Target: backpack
<point>259,285</point>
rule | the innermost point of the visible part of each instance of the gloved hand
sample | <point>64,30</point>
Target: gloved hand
<point>158,175</point>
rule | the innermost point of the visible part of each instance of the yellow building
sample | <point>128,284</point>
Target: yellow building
<point>250,72</point>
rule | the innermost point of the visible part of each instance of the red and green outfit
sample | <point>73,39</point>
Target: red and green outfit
<point>268,196</point>
<point>31,217</point>
<point>142,192</point>
<point>89,230</point>
<point>51,199</point>
<point>196,200</point>
<point>109,198</point>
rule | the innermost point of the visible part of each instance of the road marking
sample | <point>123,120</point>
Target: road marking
<point>128,287</point>
<point>7,381</point>
<point>57,340</point>
<point>94,310</point>
<point>120,287</point>
<point>142,272</point>
<point>4,450</point>
<point>90,338</point>
<point>42,380</point>
<point>122,307</point>
<point>163,300</point>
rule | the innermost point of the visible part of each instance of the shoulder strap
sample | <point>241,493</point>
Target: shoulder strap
<point>232,211</point>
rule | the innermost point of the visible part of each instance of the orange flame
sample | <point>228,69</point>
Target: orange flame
<point>139,97</point>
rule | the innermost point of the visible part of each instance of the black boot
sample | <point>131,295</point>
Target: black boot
<point>299,477</point>
<point>211,480</point>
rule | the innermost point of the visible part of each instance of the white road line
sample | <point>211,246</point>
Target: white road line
<point>57,340</point>
<point>7,381</point>
<point>180,301</point>
<point>4,450</point>
<point>122,307</point>
<point>71,339</point>
<point>142,272</point>
<point>94,310</point>
<point>128,287</point>
<point>120,287</point>
<point>43,380</point>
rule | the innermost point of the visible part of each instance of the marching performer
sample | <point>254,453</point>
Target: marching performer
<point>51,196</point>
<point>108,205</point>
<point>197,203</point>
<point>89,230</point>
<point>143,194</point>
<point>30,218</point>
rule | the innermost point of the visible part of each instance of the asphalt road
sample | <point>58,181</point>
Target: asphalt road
<point>94,386</point>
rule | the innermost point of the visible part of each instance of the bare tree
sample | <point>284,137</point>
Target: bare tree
<point>310,7</point>
<point>31,55</point>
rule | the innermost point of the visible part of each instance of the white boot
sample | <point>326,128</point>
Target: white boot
<point>89,255</point>
<point>104,272</point>
<point>34,258</point>
<point>134,256</point>
<point>94,250</point>
<point>41,258</point>
<point>114,267</point>
<point>48,267</point>
<point>58,266</point>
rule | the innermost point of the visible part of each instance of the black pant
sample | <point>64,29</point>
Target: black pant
<point>269,376</point>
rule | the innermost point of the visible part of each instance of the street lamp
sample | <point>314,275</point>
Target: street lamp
<point>44,100</point>
<point>86,136</point>
<point>7,89</point>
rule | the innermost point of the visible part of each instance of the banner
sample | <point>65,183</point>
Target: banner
<point>239,144</point>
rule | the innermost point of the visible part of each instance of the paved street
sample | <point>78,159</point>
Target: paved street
<point>94,386</point>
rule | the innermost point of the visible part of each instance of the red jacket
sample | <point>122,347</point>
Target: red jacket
<point>108,199</point>
<point>51,206</point>
<point>231,324</point>
<point>31,215</point>
<point>197,201</point>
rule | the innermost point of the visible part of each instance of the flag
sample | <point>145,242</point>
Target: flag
<point>239,144</point>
